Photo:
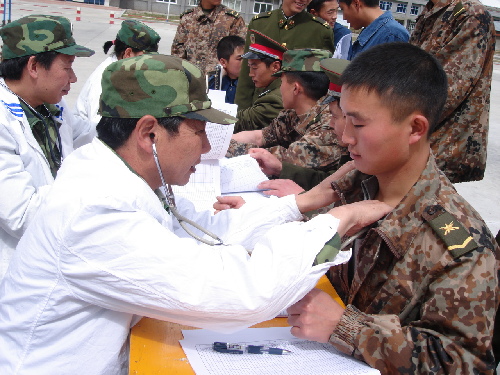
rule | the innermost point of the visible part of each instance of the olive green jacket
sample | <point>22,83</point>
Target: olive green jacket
<point>265,108</point>
<point>303,30</point>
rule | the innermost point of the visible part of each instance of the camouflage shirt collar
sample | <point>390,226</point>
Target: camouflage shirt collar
<point>403,223</point>
<point>435,6</point>
<point>201,15</point>
<point>313,115</point>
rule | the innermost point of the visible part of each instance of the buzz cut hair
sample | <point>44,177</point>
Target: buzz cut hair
<point>406,78</point>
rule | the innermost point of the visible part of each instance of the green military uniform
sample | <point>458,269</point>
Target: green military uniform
<point>299,31</point>
<point>267,104</point>
<point>266,107</point>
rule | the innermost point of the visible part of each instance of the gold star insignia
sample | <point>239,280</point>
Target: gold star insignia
<point>448,228</point>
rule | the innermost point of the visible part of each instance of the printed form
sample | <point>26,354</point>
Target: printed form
<point>307,357</point>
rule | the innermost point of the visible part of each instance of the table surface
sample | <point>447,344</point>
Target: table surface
<point>155,347</point>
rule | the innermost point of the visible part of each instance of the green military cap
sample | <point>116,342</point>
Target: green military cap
<point>333,69</point>
<point>302,60</point>
<point>157,85</point>
<point>40,33</point>
<point>137,35</point>
<point>261,46</point>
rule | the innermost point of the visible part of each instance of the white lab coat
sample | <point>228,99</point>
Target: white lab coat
<point>102,252</point>
<point>87,103</point>
<point>24,171</point>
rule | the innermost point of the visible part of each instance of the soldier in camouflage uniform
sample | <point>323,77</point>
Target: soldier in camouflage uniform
<point>264,59</point>
<point>461,35</point>
<point>103,251</point>
<point>37,128</point>
<point>201,28</point>
<point>293,27</point>
<point>301,134</point>
<point>421,289</point>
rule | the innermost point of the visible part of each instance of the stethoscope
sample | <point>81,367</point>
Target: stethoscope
<point>55,160</point>
<point>183,221</point>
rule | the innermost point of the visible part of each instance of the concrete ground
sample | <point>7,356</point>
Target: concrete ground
<point>94,28</point>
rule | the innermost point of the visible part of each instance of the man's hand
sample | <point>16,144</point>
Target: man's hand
<point>225,203</point>
<point>355,216</point>
<point>249,136</point>
<point>280,188</point>
<point>270,164</point>
<point>315,316</point>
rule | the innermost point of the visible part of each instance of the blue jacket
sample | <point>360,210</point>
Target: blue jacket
<point>384,29</point>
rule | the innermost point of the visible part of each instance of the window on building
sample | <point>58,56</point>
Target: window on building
<point>385,5</point>
<point>262,6</point>
<point>233,4</point>
<point>167,1</point>
<point>414,10</point>
<point>401,8</point>
<point>411,26</point>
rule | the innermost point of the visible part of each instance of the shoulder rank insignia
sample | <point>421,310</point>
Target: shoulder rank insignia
<point>459,9</point>
<point>233,13</point>
<point>262,15</point>
<point>186,12</point>
<point>457,239</point>
<point>321,21</point>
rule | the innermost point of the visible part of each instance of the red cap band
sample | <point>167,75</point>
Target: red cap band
<point>268,50</point>
<point>334,87</point>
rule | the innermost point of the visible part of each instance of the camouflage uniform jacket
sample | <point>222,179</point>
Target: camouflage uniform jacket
<point>198,34</point>
<point>299,31</point>
<point>306,140</point>
<point>265,108</point>
<point>421,300</point>
<point>460,34</point>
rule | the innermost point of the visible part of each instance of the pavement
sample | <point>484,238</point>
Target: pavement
<point>95,27</point>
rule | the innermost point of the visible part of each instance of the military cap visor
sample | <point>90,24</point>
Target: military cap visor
<point>261,46</point>
<point>40,33</point>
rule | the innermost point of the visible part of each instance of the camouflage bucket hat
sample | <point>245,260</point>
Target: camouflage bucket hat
<point>302,60</point>
<point>157,85</point>
<point>333,69</point>
<point>137,35</point>
<point>40,33</point>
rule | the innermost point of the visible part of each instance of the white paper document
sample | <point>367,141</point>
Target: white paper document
<point>307,357</point>
<point>240,174</point>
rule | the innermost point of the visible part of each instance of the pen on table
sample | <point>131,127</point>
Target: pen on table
<point>223,347</point>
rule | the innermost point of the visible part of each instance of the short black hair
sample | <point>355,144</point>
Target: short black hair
<point>368,3</point>
<point>227,45</point>
<point>406,78</point>
<point>317,5</point>
<point>115,131</point>
<point>120,48</point>
<point>13,68</point>
<point>315,84</point>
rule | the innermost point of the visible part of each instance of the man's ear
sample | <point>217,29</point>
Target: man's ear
<point>419,128</point>
<point>358,4</point>
<point>33,66</point>
<point>275,66</point>
<point>145,132</point>
<point>223,62</point>
<point>314,13</point>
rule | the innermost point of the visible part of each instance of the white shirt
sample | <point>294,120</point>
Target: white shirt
<point>102,252</point>
<point>87,104</point>
<point>24,171</point>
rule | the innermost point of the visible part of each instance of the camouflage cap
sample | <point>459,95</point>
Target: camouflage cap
<point>137,35</point>
<point>262,46</point>
<point>40,33</point>
<point>157,85</point>
<point>302,60</point>
<point>333,69</point>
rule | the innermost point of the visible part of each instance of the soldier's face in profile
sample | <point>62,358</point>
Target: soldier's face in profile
<point>260,73</point>
<point>53,83</point>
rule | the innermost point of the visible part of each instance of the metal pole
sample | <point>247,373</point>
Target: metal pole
<point>10,10</point>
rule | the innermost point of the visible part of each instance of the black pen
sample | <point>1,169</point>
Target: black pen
<point>224,347</point>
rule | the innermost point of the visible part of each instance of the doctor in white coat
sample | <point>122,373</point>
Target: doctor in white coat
<point>133,39</point>
<point>103,251</point>
<point>37,129</point>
